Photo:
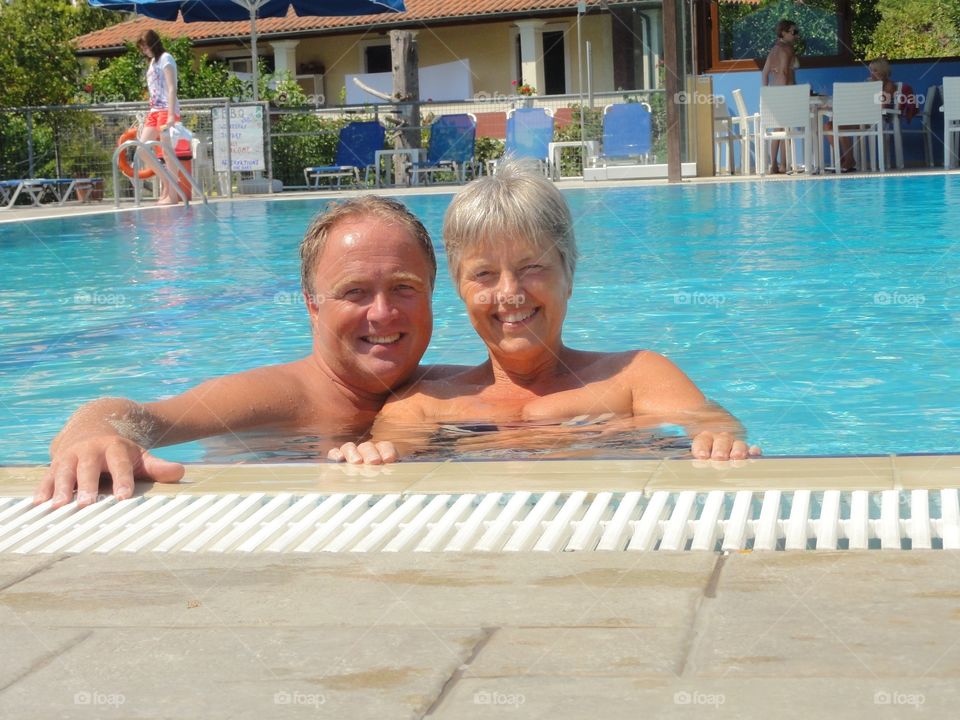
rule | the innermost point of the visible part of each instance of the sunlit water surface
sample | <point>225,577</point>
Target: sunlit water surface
<point>823,314</point>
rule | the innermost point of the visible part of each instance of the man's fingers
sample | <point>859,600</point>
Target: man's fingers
<point>88,479</point>
<point>350,454</point>
<point>722,444</point>
<point>336,455</point>
<point>121,470</point>
<point>64,480</point>
<point>44,490</point>
<point>738,451</point>
<point>160,470</point>
<point>755,451</point>
<point>370,454</point>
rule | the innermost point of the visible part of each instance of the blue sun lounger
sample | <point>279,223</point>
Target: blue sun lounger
<point>356,150</point>
<point>529,134</point>
<point>60,189</point>
<point>627,134</point>
<point>451,146</point>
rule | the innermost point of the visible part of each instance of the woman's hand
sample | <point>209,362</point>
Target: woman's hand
<point>366,453</point>
<point>721,446</point>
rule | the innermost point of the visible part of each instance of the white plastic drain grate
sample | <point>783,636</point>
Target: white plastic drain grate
<point>492,522</point>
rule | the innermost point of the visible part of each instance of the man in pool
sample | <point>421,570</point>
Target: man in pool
<point>368,271</point>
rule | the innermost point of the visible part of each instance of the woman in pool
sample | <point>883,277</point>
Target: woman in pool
<point>512,254</point>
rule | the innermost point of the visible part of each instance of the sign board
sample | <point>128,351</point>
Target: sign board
<point>246,138</point>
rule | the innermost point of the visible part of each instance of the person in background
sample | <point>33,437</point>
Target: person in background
<point>779,69</point>
<point>164,107</point>
<point>905,102</point>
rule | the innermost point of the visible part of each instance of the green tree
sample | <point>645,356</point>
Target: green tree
<point>916,29</point>
<point>123,78</point>
<point>37,62</point>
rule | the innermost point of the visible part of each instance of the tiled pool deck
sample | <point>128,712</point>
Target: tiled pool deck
<point>860,634</point>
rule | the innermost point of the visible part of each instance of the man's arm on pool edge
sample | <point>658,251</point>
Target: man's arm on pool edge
<point>113,435</point>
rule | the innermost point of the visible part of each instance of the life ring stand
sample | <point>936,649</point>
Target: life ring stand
<point>124,164</point>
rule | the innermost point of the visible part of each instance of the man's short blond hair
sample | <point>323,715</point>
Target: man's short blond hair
<point>881,68</point>
<point>384,208</point>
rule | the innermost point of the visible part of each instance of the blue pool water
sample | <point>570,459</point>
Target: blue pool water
<point>823,314</point>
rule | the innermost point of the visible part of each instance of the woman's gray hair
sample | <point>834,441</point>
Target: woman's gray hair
<point>516,202</point>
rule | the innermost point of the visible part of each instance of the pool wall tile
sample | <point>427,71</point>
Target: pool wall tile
<point>833,473</point>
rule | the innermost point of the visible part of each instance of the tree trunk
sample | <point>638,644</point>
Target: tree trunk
<point>672,83</point>
<point>406,91</point>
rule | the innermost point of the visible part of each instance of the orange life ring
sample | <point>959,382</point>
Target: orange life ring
<point>123,163</point>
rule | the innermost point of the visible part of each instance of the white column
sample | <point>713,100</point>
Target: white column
<point>285,56</point>
<point>531,53</point>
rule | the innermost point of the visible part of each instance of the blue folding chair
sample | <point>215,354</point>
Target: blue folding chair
<point>529,134</point>
<point>356,151</point>
<point>626,134</point>
<point>452,139</point>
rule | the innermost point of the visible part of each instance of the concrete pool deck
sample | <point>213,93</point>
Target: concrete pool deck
<point>24,212</point>
<point>859,634</point>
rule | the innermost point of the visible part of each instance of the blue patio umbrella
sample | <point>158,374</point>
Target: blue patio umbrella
<point>233,10</point>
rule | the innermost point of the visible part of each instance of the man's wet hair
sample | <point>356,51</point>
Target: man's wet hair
<point>384,208</point>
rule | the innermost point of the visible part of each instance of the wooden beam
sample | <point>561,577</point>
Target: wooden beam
<point>673,83</point>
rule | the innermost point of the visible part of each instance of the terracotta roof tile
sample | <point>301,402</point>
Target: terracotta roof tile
<point>418,11</point>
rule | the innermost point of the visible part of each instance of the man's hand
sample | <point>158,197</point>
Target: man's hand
<point>80,465</point>
<point>367,453</point>
<point>721,446</point>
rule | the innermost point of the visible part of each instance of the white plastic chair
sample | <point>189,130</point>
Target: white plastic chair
<point>858,113</point>
<point>951,119</point>
<point>926,124</point>
<point>724,136</point>
<point>785,115</point>
<point>748,128</point>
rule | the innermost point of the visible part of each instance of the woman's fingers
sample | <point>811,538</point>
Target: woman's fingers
<point>367,453</point>
<point>721,446</point>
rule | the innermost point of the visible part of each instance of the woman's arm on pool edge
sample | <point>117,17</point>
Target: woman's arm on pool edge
<point>662,392</point>
<point>113,435</point>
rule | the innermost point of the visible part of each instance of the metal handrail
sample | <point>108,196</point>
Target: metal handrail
<point>158,168</point>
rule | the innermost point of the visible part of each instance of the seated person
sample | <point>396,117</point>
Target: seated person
<point>906,104</point>
<point>511,250</point>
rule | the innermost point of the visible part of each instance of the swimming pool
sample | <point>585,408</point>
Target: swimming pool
<point>823,314</point>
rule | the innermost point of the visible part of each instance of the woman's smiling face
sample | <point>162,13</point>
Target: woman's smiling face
<point>516,294</point>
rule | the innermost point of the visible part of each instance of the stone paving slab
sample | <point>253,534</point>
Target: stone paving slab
<point>628,698</point>
<point>245,673</point>
<point>528,589</point>
<point>868,634</point>
<point>890,615</point>
<point>583,651</point>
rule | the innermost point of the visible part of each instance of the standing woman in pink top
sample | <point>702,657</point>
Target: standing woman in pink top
<point>164,108</point>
